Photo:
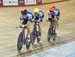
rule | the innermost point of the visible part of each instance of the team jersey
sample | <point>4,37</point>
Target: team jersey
<point>29,16</point>
<point>51,16</point>
<point>56,11</point>
<point>40,15</point>
<point>23,20</point>
<point>51,13</point>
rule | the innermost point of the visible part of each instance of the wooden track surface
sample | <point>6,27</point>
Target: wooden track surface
<point>9,21</point>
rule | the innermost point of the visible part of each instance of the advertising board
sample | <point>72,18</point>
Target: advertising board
<point>10,2</point>
<point>30,2</point>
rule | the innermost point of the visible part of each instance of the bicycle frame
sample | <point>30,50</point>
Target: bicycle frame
<point>36,32</point>
<point>37,26</point>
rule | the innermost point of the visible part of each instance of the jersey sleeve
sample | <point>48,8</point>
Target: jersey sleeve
<point>41,14</point>
<point>30,15</point>
<point>20,17</point>
<point>56,11</point>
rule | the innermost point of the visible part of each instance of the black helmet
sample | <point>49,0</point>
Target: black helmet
<point>24,12</point>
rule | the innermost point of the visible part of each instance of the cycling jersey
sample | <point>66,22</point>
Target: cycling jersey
<point>56,11</point>
<point>30,15</point>
<point>41,14</point>
<point>24,20</point>
<point>51,14</point>
<point>36,16</point>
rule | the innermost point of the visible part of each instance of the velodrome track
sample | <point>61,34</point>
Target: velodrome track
<point>9,33</point>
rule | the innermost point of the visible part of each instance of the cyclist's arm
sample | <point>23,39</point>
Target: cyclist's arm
<point>21,19</point>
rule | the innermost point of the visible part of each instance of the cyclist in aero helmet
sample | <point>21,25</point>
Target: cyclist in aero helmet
<point>55,15</point>
<point>36,10</point>
<point>37,19</point>
<point>36,13</point>
<point>25,22</point>
<point>51,17</point>
<point>40,13</point>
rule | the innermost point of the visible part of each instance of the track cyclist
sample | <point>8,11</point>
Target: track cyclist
<point>25,21</point>
<point>38,18</point>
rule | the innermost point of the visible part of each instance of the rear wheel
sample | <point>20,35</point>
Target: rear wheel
<point>38,40</point>
<point>38,36</point>
<point>54,37</point>
<point>49,37</point>
<point>33,40</point>
<point>27,45</point>
<point>28,42</point>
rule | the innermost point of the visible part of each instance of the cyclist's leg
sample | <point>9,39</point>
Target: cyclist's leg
<point>25,32</point>
<point>28,32</point>
<point>37,27</point>
<point>40,29</point>
<point>39,33</point>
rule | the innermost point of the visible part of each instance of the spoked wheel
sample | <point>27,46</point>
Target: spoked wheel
<point>20,42</point>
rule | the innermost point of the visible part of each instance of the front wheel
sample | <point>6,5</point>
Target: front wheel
<point>20,42</point>
<point>54,37</point>
<point>49,35</point>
